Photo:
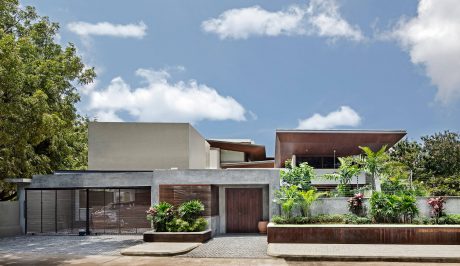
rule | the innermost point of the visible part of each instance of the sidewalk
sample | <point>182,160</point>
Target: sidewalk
<point>363,252</point>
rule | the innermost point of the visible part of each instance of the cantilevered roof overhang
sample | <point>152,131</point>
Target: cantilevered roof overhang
<point>325,142</point>
<point>255,152</point>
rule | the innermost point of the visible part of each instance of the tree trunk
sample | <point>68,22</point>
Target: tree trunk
<point>377,185</point>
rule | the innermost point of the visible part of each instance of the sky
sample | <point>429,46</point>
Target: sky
<point>242,69</point>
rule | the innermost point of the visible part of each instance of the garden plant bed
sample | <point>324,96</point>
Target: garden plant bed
<point>197,237</point>
<point>365,234</point>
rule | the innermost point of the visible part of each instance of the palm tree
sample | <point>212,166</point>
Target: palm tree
<point>374,164</point>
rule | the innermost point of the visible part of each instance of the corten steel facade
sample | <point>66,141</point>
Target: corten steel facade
<point>134,165</point>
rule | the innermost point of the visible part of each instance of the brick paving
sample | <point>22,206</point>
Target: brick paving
<point>68,245</point>
<point>232,246</point>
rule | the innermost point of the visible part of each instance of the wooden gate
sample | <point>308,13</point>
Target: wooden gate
<point>243,209</point>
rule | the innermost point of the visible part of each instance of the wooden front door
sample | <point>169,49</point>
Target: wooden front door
<point>243,209</point>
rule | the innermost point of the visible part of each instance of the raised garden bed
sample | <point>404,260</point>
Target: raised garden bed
<point>365,234</point>
<point>199,237</point>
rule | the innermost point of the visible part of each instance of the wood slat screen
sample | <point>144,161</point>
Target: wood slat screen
<point>178,194</point>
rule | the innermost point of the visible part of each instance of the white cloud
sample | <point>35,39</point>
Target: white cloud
<point>88,88</point>
<point>345,116</point>
<point>163,101</point>
<point>320,18</point>
<point>432,39</point>
<point>85,29</point>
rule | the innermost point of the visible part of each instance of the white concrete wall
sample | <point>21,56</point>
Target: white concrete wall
<point>144,146</point>
<point>214,158</point>
<point>198,150</point>
<point>9,218</point>
<point>231,156</point>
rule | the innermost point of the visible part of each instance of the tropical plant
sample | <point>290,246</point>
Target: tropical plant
<point>299,176</point>
<point>374,164</point>
<point>190,210</point>
<point>186,219</point>
<point>287,197</point>
<point>390,208</point>
<point>160,215</point>
<point>437,207</point>
<point>347,170</point>
<point>306,199</point>
<point>356,205</point>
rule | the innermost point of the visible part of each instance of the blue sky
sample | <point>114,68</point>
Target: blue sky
<point>241,69</point>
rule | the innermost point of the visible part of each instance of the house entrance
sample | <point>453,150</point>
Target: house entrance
<point>243,209</point>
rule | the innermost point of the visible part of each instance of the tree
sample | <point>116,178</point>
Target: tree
<point>441,153</point>
<point>40,130</point>
<point>408,153</point>
<point>299,176</point>
<point>347,170</point>
<point>374,164</point>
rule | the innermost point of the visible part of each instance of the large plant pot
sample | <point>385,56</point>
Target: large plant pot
<point>262,226</point>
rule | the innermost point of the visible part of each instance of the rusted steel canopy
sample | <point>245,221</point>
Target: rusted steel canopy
<point>324,142</point>
<point>255,152</point>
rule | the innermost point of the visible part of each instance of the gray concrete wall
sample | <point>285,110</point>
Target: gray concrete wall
<point>138,146</point>
<point>9,218</point>
<point>265,178</point>
<point>81,180</point>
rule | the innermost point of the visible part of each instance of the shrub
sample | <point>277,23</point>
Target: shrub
<point>355,219</point>
<point>287,197</point>
<point>199,225</point>
<point>178,225</point>
<point>186,219</point>
<point>306,199</point>
<point>393,208</point>
<point>160,214</point>
<point>190,210</point>
<point>356,205</point>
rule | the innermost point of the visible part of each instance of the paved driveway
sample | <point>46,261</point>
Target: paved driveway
<point>232,246</point>
<point>68,245</point>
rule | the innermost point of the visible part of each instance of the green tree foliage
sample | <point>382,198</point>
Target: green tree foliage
<point>347,170</point>
<point>40,130</point>
<point>435,162</point>
<point>441,153</point>
<point>299,176</point>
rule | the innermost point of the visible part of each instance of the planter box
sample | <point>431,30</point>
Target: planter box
<point>365,234</point>
<point>199,237</point>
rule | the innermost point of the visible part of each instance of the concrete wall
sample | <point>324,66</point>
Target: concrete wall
<point>9,218</point>
<point>231,156</point>
<point>94,180</point>
<point>198,150</point>
<point>139,146</point>
<point>214,158</point>
<point>268,179</point>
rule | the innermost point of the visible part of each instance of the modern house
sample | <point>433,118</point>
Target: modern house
<point>132,165</point>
